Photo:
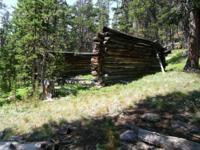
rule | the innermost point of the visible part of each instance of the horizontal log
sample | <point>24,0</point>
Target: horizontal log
<point>78,64</point>
<point>129,59</point>
<point>130,73</point>
<point>134,50</point>
<point>78,61</point>
<point>129,65</point>
<point>117,78</point>
<point>111,42</point>
<point>129,68</point>
<point>114,33</point>
<point>130,55</point>
<point>132,63</point>
<point>74,64</point>
<point>77,68</point>
<point>113,45</point>
<point>117,39</point>
<point>79,56</point>
<point>122,66</point>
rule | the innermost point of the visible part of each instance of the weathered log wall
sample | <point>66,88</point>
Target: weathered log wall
<point>120,57</point>
<point>77,63</point>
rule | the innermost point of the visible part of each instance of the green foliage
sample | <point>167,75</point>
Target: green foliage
<point>103,7</point>
<point>83,25</point>
<point>23,93</point>
<point>177,59</point>
<point>39,33</point>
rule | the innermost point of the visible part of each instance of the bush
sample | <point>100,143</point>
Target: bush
<point>23,93</point>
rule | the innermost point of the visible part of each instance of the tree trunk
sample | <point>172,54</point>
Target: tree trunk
<point>192,63</point>
<point>34,76</point>
<point>44,93</point>
<point>186,31</point>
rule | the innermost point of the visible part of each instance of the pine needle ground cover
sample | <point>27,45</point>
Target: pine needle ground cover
<point>175,90</point>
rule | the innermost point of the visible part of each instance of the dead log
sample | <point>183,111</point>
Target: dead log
<point>167,142</point>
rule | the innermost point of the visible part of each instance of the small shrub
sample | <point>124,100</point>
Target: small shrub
<point>23,93</point>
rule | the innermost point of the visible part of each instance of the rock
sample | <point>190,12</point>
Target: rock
<point>25,146</point>
<point>194,129</point>
<point>16,139</point>
<point>144,146</point>
<point>128,136</point>
<point>184,127</point>
<point>137,146</point>
<point>1,135</point>
<point>150,117</point>
<point>126,146</point>
<point>180,125</point>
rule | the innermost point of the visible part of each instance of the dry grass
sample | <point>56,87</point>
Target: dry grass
<point>25,116</point>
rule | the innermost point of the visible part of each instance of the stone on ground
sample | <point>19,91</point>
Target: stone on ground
<point>128,136</point>
<point>153,117</point>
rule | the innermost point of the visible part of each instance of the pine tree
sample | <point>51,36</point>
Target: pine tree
<point>83,25</point>
<point>121,18</point>
<point>103,7</point>
<point>40,29</point>
<point>7,60</point>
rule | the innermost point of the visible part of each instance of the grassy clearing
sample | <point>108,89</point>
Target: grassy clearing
<point>177,60</point>
<point>85,103</point>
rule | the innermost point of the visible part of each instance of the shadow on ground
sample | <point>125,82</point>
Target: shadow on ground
<point>179,114</point>
<point>71,89</point>
<point>178,117</point>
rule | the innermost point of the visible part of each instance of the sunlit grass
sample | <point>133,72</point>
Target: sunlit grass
<point>23,117</point>
<point>177,60</point>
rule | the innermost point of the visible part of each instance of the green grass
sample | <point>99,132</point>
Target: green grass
<point>82,103</point>
<point>176,60</point>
